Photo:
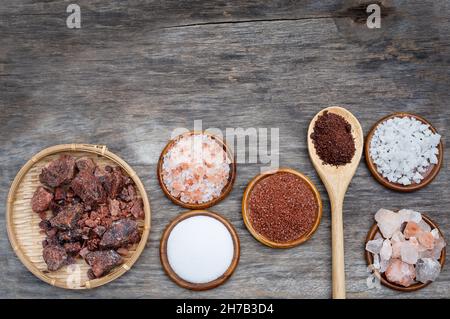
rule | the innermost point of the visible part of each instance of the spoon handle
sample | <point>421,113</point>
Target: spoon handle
<point>337,246</point>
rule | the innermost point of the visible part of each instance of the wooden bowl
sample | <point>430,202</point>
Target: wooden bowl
<point>369,258</point>
<point>246,209</point>
<point>225,191</point>
<point>23,224</point>
<point>196,286</point>
<point>429,175</point>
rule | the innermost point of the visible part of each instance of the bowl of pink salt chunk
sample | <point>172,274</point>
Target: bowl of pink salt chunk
<point>196,170</point>
<point>406,248</point>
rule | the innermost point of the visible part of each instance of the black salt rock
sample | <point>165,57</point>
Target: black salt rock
<point>55,257</point>
<point>86,164</point>
<point>41,200</point>
<point>103,261</point>
<point>58,172</point>
<point>88,188</point>
<point>121,233</point>
<point>68,217</point>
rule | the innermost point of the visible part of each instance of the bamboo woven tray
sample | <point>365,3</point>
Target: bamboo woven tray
<point>23,224</point>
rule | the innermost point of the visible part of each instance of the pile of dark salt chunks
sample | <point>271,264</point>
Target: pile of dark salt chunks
<point>88,212</point>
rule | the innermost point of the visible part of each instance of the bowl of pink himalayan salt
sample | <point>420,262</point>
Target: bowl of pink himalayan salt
<point>196,170</point>
<point>405,250</point>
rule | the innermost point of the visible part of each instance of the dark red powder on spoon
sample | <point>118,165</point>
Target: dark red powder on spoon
<point>282,207</point>
<point>333,140</point>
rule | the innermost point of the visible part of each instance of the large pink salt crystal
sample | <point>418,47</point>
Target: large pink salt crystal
<point>426,239</point>
<point>400,273</point>
<point>412,229</point>
<point>414,241</point>
<point>388,222</point>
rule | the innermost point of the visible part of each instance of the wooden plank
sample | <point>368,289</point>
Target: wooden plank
<point>137,70</point>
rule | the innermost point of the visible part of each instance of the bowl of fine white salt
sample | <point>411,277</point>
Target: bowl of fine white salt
<point>404,152</point>
<point>199,250</point>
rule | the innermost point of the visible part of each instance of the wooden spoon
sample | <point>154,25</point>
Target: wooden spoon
<point>336,181</point>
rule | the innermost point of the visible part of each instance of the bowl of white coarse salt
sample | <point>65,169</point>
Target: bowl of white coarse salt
<point>196,170</point>
<point>404,152</point>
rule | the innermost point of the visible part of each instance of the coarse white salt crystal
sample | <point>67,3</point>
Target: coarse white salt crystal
<point>386,250</point>
<point>435,233</point>
<point>427,269</point>
<point>376,262</point>
<point>409,252</point>
<point>424,226</point>
<point>403,148</point>
<point>374,246</point>
<point>388,222</point>
<point>200,249</point>
<point>408,215</point>
<point>383,265</point>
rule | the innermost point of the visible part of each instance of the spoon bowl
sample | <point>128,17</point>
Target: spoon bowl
<point>336,180</point>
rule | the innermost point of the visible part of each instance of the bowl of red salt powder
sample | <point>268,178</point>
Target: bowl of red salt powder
<point>196,170</point>
<point>281,208</point>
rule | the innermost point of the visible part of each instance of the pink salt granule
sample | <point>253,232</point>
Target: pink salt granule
<point>411,253</point>
<point>196,169</point>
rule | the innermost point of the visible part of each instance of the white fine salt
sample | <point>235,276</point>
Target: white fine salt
<point>200,249</point>
<point>403,148</point>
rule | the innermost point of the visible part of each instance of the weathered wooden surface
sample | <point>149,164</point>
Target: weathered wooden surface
<point>137,70</point>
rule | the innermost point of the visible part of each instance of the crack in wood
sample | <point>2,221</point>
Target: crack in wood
<point>357,13</point>
<point>251,21</point>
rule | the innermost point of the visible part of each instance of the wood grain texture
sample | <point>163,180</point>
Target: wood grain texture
<point>138,69</point>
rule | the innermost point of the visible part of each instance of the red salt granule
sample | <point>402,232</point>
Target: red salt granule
<point>333,140</point>
<point>282,207</point>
